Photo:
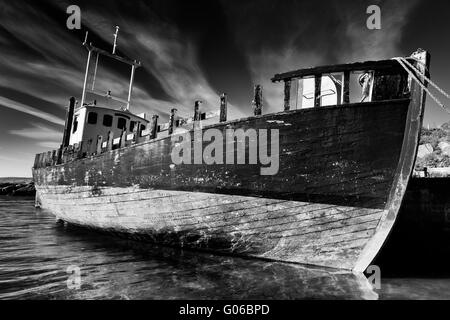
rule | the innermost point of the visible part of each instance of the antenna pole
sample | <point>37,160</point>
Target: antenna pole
<point>130,90</point>
<point>95,72</point>
<point>115,39</point>
<point>86,38</point>
<point>86,78</point>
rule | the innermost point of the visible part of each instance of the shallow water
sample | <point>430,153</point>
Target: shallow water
<point>36,252</point>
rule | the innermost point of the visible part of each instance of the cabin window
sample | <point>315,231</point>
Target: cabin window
<point>361,86</point>
<point>92,118</point>
<point>75,125</point>
<point>107,120</point>
<point>388,86</point>
<point>331,89</point>
<point>306,88</point>
<point>328,94</point>
<point>122,124</point>
<point>132,125</point>
<point>142,129</point>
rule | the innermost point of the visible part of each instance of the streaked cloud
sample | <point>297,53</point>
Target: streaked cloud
<point>38,132</point>
<point>43,60</point>
<point>7,103</point>
<point>172,58</point>
<point>368,44</point>
<point>49,145</point>
<point>14,159</point>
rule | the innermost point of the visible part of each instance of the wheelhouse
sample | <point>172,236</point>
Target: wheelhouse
<point>344,84</point>
<point>102,114</point>
<point>90,122</point>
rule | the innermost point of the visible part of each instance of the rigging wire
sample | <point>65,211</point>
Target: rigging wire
<point>401,61</point>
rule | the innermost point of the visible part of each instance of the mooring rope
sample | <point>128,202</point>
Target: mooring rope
<point>404,63</point>
<point>428,79</point>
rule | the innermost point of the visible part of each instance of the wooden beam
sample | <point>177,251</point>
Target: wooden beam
<point>358,66</point>
<point>135,63</point>
<point>123,139</point>
<point>99,145</point>
<point>88,147</point>
<point>346,88</point>
<point>60,151</point>
<point>223,107</point>
<point>339,88</point>
<point>110,141</point>
<point>69,120</point>
<point>136,132</point>
<point>317,90</point>
<point>79,154</point>
<point>287,94</point>
<point>154,127</point>
<point>257,100</point>
<point>197,113</point>
<point>173,113</point>
<point>53,158</point>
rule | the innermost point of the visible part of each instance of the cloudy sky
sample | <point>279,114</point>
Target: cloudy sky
<point>191,50</point>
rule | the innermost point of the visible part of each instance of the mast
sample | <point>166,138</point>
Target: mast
<point>130,89</point>
<point>115,39</point>
<point>86,75</point>
<point>90,76</point>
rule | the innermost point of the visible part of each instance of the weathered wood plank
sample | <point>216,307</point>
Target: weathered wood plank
<point>256,222</point>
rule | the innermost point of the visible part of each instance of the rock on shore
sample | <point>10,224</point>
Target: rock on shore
<point>17,188</point>
<point>434,151</point>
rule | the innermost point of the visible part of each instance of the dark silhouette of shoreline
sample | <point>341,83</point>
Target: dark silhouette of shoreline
<point>20,187</point>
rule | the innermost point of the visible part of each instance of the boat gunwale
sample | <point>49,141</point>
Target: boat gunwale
<point>337,68</point>
<point>372,104</point>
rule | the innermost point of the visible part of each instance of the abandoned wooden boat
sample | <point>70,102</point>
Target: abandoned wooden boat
<point>343,164</point>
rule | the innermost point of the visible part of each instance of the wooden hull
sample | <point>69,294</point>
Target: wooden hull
<point>342,175</point>
<point>301,232</point>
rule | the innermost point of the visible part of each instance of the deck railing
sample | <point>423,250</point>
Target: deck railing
<point>104,144</point>
<point>93,148</point>
<point>109,142</point>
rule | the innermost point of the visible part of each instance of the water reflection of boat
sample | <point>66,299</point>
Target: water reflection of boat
<point>154,271</point>
<point>344,164</point>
